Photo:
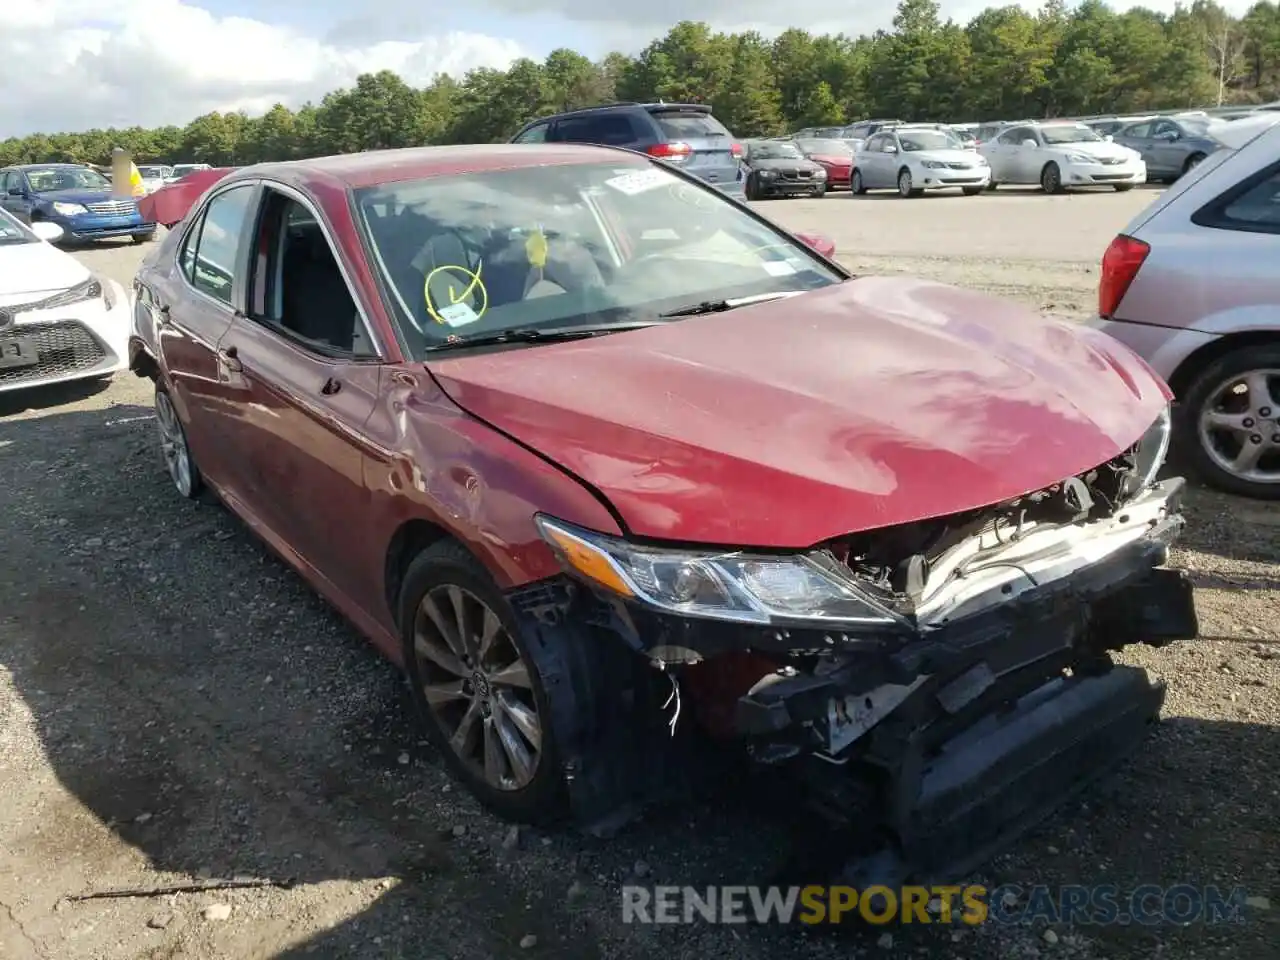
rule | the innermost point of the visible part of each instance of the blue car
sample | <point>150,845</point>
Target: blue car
<point>76,198</point>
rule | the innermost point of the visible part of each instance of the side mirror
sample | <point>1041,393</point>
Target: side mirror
<point>823,245</point>
<point>1030,143</point>
<point>47,230</point>
<point>1109,138</point>
<point>15,191</point>
<point>890,148</point>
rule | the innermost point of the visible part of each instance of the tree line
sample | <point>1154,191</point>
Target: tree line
<point>1005,63</point>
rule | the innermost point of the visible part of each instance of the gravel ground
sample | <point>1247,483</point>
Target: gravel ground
<point>177,707</point>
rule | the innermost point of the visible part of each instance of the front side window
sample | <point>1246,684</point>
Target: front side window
<point>568,245</point>
<point>45,179</point>
<point>215,251</point>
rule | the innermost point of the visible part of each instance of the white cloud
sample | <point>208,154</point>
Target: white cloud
<point>70,65</point>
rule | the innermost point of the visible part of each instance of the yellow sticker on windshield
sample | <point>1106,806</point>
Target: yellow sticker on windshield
<point>536,249</point>
<point>462,285</point>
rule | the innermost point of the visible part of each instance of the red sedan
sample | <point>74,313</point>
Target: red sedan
<point>597,453</point>
<point>835,156</point>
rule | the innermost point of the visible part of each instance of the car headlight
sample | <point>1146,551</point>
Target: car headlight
<point>1078,158</point>
<point>980,161</point>
<point>90,289</point>
<point>69,209</point>
<point>722,585</point>
<point>932,164</point>
<point>1149,454</point>
<point>768,174</point>
<point>820,173</point>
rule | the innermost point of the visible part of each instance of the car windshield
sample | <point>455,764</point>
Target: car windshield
<point>1069,133</point>
<point>66,178</point>
<point>569,245</point>
<point>836,147</point>
<point>774,151</point>
<point>11,231</point>
<point>914,140</point>
<point>151,173</point>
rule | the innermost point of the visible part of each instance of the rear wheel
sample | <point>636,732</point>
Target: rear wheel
<point>1051,178</point>
<point>477,687</point>
<point>173,446</point>
<point>856,186</point>
<point>1229,422</point>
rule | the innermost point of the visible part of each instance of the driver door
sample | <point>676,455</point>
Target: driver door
<point>1165,151</point>
<point>869,161</point>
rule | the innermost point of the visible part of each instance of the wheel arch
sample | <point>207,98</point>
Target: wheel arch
<point>410,539</point>
<point>1215,349</point>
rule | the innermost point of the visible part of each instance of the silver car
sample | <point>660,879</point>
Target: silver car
<point>1172,145</point>
<point>1192,285</point>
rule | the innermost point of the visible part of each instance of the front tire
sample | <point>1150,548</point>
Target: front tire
<point>1193,161</point>
<point>971,191</point>
<point>856,186</point>
<point>1123,187</point>
<point>752,190</point>
<point>1228,423</point>
<point>144,237</point>
<point>1051,179</point>
<point>178,461</point>
<point>906,188</point>
<point>477,687</point>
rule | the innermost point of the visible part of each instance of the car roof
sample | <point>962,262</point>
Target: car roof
<point>375,167</point>
<point>46,166</point>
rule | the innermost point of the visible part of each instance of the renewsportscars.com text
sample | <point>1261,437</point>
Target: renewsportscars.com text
<point>1103,904</point>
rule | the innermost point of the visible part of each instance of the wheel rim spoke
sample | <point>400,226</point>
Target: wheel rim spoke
<point>1247,459</point>
<point>490,627</point>
<point>438,653</point>
<point>513,748</point>
<point>1259,389</point>
<point>441,693</point>
<point>462,738</point>
<point>462,628</point>
<point>494,766</point>
<point>513,675</point>
<point>524,719</point>
<point>444,627</point>
<point>1230,422</point>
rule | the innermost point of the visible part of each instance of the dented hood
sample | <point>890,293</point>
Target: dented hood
<point>873,402</point>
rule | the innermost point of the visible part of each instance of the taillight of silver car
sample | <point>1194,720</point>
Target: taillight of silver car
<point>1120,264</point>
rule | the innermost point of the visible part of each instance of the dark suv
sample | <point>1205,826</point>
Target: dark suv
<point>681,133</point>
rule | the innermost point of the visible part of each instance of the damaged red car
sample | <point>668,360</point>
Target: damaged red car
<point>598,454</point>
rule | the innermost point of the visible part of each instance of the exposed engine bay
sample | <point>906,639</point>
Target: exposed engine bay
<point>979,694</point>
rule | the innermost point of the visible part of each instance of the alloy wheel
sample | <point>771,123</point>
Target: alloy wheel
<point>478,687</point>
<point>173,445</point>
<point>1049,179</point>
<point>1239,426</point>
<point>904,183</point>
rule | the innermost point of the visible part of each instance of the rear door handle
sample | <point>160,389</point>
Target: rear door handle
<point>229,357</point>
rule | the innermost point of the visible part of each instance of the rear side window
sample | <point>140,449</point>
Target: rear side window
<point>1252,206</point>
<point>613,129</point>
<point>212,248</point>
<point>688,124</point>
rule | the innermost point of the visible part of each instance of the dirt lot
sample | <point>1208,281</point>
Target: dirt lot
<point>176,706</point>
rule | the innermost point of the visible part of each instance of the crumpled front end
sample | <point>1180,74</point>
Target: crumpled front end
<point>949,681</point>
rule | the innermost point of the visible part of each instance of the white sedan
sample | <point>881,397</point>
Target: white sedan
<point>58,321</point>
<point>1061,155</point>
<point>913,159</point>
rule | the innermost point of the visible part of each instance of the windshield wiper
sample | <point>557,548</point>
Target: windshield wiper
<point>537,335</point>
<point>719,306</point>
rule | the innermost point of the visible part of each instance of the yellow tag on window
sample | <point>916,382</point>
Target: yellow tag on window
<point>536,249</point>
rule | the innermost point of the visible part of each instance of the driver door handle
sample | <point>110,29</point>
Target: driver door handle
<point>331,386</point>
<point>229,357</point>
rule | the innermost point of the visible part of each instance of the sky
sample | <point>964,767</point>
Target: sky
<point>68,65</point>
